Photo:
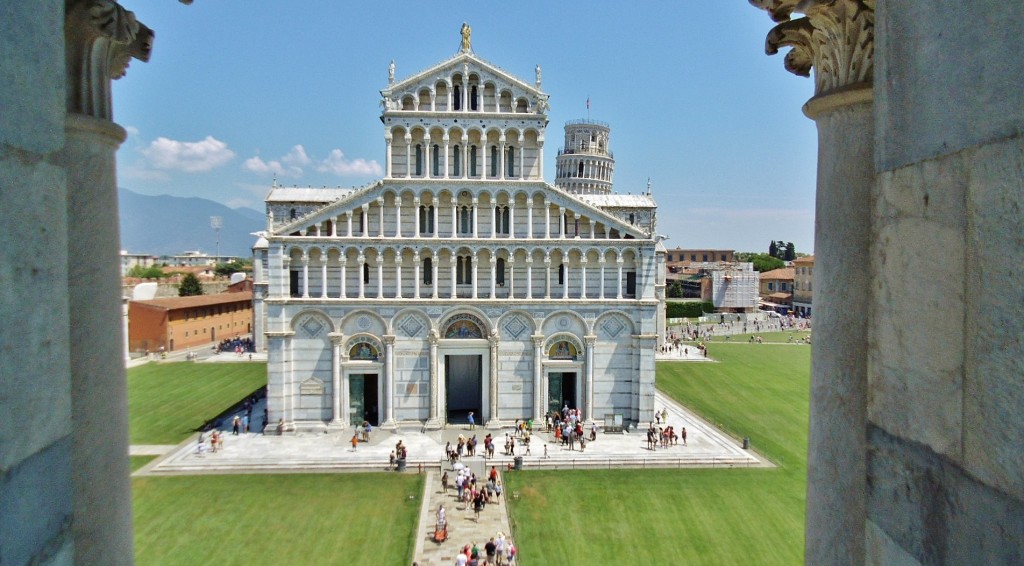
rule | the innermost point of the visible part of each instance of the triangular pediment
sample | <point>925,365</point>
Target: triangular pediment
<point>465,62</point>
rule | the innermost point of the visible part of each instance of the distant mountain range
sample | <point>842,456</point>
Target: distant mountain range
<point>167,225</point>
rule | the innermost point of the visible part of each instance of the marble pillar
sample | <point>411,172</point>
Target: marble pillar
<point>836,40</point>
<point>101,37</point>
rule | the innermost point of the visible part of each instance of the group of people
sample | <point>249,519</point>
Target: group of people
<point>236,345</point>
<point>467,447</point>
<point>664,436</point>
<point>498,551</point>
<point>469,491</point>
<point>568,428</point>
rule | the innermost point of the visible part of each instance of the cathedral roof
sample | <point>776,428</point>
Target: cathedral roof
<point>614,200</point>
<point>299,194</point>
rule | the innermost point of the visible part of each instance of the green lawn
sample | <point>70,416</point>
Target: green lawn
<point>276,519</point>
<point>741,516</point>
<point>139,461</point>
<point>168,401</point>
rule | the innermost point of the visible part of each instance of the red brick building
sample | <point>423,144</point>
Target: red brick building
<point>178,323</point>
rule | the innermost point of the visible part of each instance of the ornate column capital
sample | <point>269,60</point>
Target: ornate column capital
<point>100,38</point>
<point>433,337</point>
<point>389,339</point>
<point>835,37</point>
<point>336,338</point>
<point>538,340</point>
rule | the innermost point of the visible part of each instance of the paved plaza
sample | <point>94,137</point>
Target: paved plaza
<point>332,452</point>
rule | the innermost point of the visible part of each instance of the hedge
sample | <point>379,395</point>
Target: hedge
<point>689,309</point>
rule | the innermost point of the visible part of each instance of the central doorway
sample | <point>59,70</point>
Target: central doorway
<point>364,404</point>
<point>463,386</point>
<point>561,390</point>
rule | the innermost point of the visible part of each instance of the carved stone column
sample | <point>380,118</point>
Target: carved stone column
<point>389,382</point>
<point>493,422</point>
<point>338,404</point>
<point>100,38</point>
<point>836,39</point>
<point>433,422</point>
<point>539,390</point>
<point>588,390</point>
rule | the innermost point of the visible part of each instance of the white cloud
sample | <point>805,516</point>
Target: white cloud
<point>132,130</point>
<point>191,157</point>
<point>260,167</point>
<point>338,164</point>
<point>296,157</point>
<point>289,165</point>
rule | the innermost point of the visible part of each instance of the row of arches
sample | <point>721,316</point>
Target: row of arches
<point>463,93</point>
<point>460,272</point>
<point>407,213</point>
<point>450,324</point>
<point>456,153</point>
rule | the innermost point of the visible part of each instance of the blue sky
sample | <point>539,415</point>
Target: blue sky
<point>237,91</point>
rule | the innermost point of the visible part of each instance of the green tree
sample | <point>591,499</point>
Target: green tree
<point>190,286</point>
<point>151,272</point>
<point>773,249</point>
<point>675,290</point>
<point>790,254</point>
<point>226,269</point>
<point>765,262</point>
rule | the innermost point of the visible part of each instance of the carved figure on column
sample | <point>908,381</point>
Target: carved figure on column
<point>391,72</point>
<point>836,37</point>
<point>101,37</point>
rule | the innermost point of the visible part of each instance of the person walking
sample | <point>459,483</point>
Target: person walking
<point>472,422</point>
<point>355,442</point>
<point>235,424</point>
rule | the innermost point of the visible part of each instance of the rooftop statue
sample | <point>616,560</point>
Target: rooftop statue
<point>466,32</point>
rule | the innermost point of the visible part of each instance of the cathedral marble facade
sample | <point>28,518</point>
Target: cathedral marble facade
<point>461,281</point>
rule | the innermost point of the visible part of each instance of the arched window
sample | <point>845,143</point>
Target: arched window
<point>426,220</point>
<point>464,270</point>
<point>499,275</point>
<point>494,161</point>
<point>366,272</point>
<point>472,98</point>
<point>428,271</point>
<point>292,214</point>
<point>457,159</point>
<point>457,98</point>
<point>561,274</point>
<point>465,220</point>
<point>419,159</point>
<point>580,170</point>
<point>472,161</point>
<point>436,161</point>
<point>361,222</point>
<point>632,220</point>
<point>505,221</point>
<point>510,165</point>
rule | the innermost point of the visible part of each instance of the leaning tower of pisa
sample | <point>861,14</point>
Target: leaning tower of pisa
<point>585,164</point>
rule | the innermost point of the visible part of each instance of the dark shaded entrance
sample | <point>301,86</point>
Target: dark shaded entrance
<point>463,386</point>
<point>561,390</point>
<point>363,401</point>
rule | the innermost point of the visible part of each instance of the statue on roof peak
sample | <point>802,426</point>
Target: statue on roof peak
<point>466,32</point>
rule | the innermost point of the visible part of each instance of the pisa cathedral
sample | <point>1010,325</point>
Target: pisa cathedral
<point>462,281</point>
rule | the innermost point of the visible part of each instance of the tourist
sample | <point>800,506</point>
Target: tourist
<point>355,441</point>
<point>682,434</point>
<point>499,548</point>
<point>490,548</point>
<point>593,431</point>
<point>391,461</point>
<point>478,505</point>
<point>442,520</point>
<point>444,482</point>
<point>235,424</point>
<point>245,424</point>
<point>472,422</point>
<point>510,551</point>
